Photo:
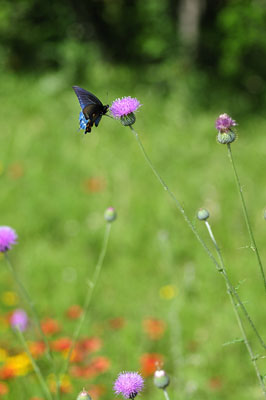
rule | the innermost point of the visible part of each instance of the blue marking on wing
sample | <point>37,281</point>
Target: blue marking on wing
<point>82,121</point>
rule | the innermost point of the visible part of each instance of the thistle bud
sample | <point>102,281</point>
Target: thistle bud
<point>84,395</point>
<point>128,120</point>
<point>110,214</point>
<point>226,137</point>
<point>203,214</point>
<point>161,379</point>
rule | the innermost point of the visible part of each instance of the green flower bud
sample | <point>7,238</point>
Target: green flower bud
<point>84,395</point>
<point>161,379</point>
<point>203,214</point>
<point>226,137</point>
<point>128,119</point>
<point>110,214</point>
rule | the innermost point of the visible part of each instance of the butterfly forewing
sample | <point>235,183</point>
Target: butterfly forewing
<point>85,97</point>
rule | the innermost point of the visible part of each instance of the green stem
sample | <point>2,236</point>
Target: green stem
<point>231,292</point>
<point>166,395</point>
<point>31,305</point>
<point>251,236</point>
<point>192,227</point>
<point>171,194</point>
<point>37,370</point>
<point>92,285</point>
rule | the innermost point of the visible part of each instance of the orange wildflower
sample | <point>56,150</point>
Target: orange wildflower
<point>37,349</point>
<point>154,328</point>
<point>97,366</point>
<point>7,372</point>
<point>74,312</point>
<point>149,363</point>
<point>3,389</point>
<point>95,391</point>
<point>50,326</point>
<point>90,345</point>
<point>94,185</point>
<point>61,344</point>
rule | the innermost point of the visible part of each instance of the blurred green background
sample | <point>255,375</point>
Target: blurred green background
<point>187,61</point>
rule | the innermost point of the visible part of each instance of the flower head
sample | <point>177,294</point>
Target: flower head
<point>224,123</point>
<point>124,109</point>
<point>8,238</point>
<point>129,384</point>
<point>19,320</point>
<point>124,106</point>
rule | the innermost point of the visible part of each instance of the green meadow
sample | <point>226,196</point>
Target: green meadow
<point>56,184</point>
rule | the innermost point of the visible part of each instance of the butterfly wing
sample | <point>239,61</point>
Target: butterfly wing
<point>92,109</point>
<point>86,98</point>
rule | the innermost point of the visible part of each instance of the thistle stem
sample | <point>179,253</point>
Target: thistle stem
<point>244,207</point>
<point>171,194</point>
<point>166,395</point>
<point>92,285</point>
<point>231,292</point>
<point>192,227</point>
<point>37,370</point>
<point>29,301</point>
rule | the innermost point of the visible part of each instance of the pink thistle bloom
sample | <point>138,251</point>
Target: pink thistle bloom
<point>124,106</point>
<point>19,320</point>
<point>8,238</point>
<point>129,384</point>
<point>224,123</point>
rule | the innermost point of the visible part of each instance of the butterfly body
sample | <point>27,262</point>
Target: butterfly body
<point>91,106</point>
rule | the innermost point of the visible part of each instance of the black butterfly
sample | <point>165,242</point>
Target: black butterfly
<point>92,107</point>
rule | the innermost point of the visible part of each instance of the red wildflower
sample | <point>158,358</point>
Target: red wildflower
<point>50,326</point>
<point>90,345</point>
<point>6,373</point>
<point>61,344</point>
<point>98,365</point>
<point>154,328</point>
<point>74,312</point>
<point>149,363</point>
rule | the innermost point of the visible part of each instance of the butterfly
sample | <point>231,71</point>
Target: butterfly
<point>92,107</point>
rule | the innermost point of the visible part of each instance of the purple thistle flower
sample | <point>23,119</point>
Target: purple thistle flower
<point>19,320</point>
<point>122,108</point>
<point>8,238</point>
<point>129,384</point>
<point>224,123</point>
